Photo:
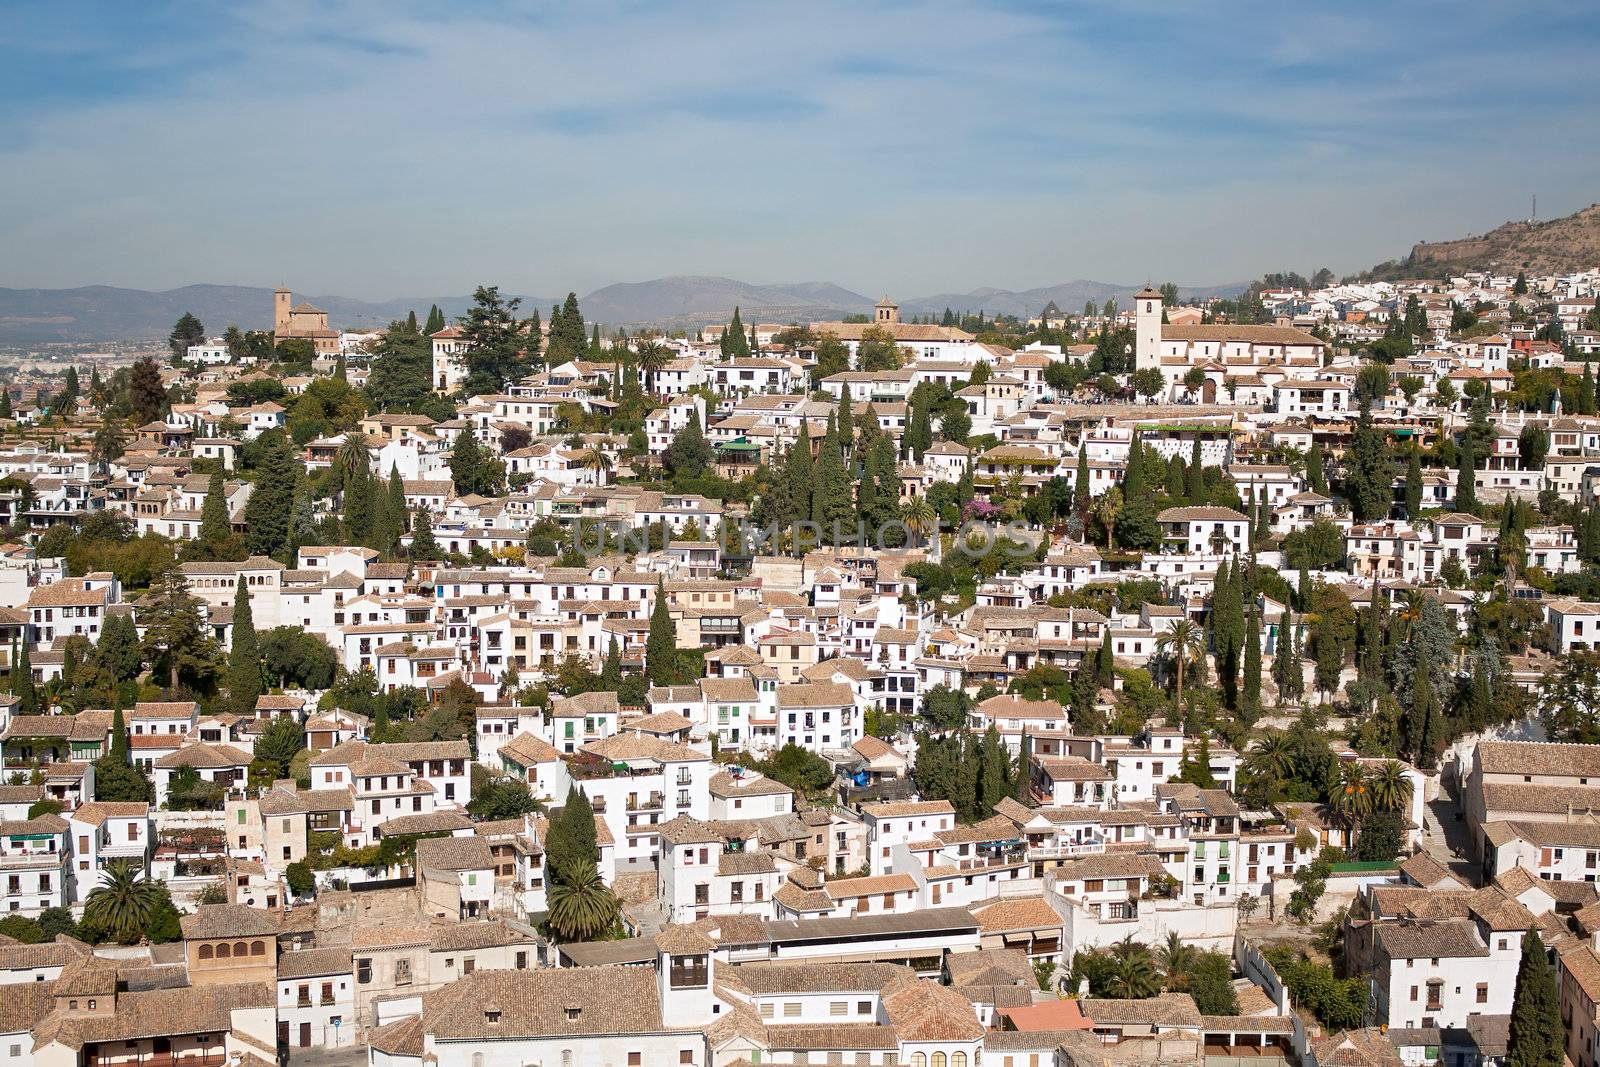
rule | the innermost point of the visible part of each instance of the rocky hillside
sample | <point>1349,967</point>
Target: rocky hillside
<point>1553,247</point>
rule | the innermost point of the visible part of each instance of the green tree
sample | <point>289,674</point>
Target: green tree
<point>568,335</point>
<point>186,332</point>
<point>271,504</point>
<point>1369,476</point>
<point>832,501</point>
<point>735,345</point>
<point>878,350</point>
<point>1314,473</point>
<point>661,645</point>
<point>22,684</point>
<point>244,658</point>
<point>503,798</point>
<point>1466,478</point>
<point>146,395</point>
<point>175,640</point>
<point>571,838</point>
<point>123,904</point>
<point>282,740</point>
<point>582,907</point>
<point>493,341</point>
<point>423,545</point>
<point>689,455</point>
<point>402,366</point>
<point>1537,1038</point>
<point>1414,484</point>
<point>879,489</point>
<point>435,321</point>
<point>215,529</point>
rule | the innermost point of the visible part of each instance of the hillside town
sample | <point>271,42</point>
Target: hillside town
<point>1194,683</point>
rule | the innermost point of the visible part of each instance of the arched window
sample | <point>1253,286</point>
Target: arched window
<point>938,1059</point>
<point>919,1059</point>
<point>958,1059</point>
<point>240,949</point>
<point>223,952</point>
<point>566,1057</point>
<point>259,948</point>
<point>205,952</point>
<point>477,1059</point>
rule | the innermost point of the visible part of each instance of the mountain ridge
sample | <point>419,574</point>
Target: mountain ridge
<point>97,313</point>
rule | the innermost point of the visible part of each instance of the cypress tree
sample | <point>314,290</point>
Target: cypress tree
<point>1081,498</point>
<point>1252,665</point>
<point>1414,484</point>
<point>919,425</point>
<point>120,745</point>
<point>244,658</point>
<point>1585,402</point>
<point>798,476</point>
<point>611,673</point>
<point>1105,667</point>
<point>1466,478</point>
<point>214,525</point>
<point>1263,520</point>
<point>358,502</point>
<point>661,647</point>
<point>22,683</point>
<point>1286,669</point>
<point>1536,1038</point>
<point>1314,475</point>
<point>880,484</point>
<point>397,502</point>
<point>423,546</point>
<point>435,321</point>
<point>1195,486</point>
<point>734,342</point>
<point>1419,726</point>
<point>833,502</point>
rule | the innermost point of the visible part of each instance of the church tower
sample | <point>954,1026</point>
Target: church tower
<point>280,312</point>
<point>886,313</point>
<point>1147,329</point>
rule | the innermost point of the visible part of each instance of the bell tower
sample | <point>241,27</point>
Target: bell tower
<point>886,312</point>
<point>280,312</point>
<point>1147,329</point>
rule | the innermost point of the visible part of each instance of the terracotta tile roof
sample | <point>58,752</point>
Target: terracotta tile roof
<point>1023,913</point>
<point>554,1003</point>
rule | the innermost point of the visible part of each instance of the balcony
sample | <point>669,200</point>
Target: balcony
<point>156,1059</point>
<point>652,802</point>
<point>1082,848</point>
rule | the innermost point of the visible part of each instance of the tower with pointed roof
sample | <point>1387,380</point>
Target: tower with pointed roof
<point>1147,329</point>
<point>886,312</point>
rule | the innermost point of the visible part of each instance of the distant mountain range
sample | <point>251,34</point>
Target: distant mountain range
<point>104,313</point>
<point>1556,246</point>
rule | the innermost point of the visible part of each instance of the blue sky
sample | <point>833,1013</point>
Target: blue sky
<point>399,148</point>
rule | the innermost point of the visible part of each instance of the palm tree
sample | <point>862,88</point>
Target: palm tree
<point>1185,643</point>
<point>653,356</point>
<point>353,459</point>
<point>919,516</point>
<point>122,903</point>
<point>1350,798</point>
<point>581,905</point>
<point>1107,506</point>
<point>1273,755</point>
<point>1134,976</point>
<point>1390,787</point>
<point>597,461</point>
<point>1175,959</point>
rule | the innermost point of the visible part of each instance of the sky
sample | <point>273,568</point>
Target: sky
<point>395,148</point>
